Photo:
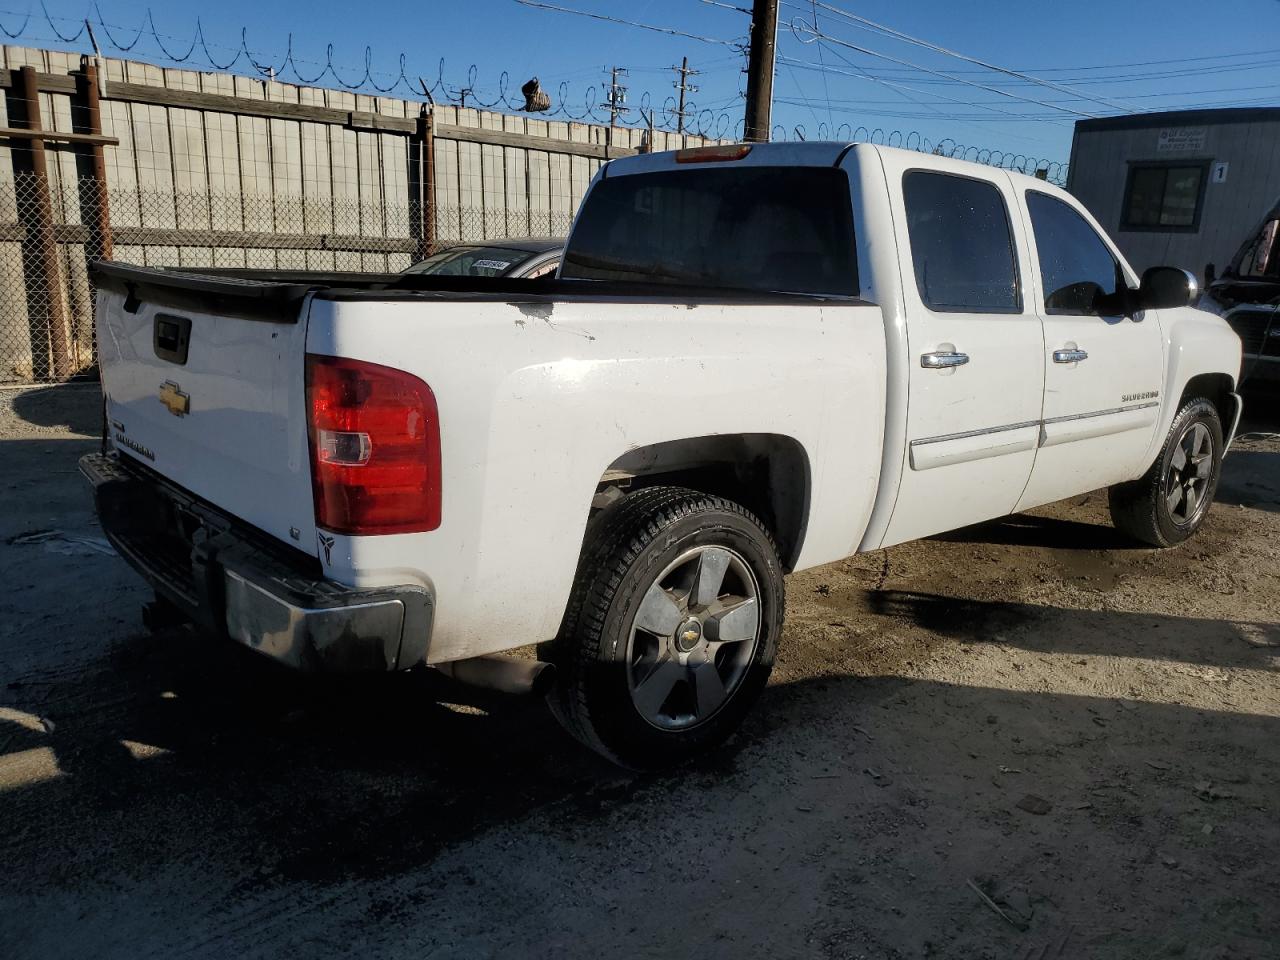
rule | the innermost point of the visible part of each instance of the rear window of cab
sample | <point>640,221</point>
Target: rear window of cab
<point>787,229</point>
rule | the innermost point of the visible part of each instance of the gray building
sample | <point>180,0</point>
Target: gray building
<point>1182,188</point>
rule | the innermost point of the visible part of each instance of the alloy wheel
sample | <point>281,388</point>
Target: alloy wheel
<point>1190,470</point>
<point>693,638</point>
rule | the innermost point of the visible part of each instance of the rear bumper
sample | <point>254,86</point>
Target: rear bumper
<point>234,581</point>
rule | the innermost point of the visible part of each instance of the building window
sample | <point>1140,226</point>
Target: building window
<point>1164,196</point>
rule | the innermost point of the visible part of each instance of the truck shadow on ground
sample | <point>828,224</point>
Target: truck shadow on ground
<point>76,407</point>
<point>1054,630</point>
<point>1251,478</point>
<point>1029,530</point>
<point>324,780</point>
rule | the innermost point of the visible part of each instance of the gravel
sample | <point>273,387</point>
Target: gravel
<point>1024,739</point>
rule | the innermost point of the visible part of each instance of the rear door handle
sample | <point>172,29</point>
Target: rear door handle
<point>942,359</point>
<point>1069,356</point>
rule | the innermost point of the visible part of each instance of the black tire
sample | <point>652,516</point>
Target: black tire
<point>629,546</point>
<point>1142,508</point>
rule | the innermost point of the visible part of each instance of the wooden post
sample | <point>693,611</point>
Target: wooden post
<point>40,235</point>
<point>764,38</point>
<point>99,223</point>
<point>426,183</point>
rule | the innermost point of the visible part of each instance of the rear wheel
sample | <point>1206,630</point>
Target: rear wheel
<point>1172,499</point>
<point>671,631</point>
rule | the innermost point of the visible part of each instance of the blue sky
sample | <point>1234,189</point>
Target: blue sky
<point>1100,57</point>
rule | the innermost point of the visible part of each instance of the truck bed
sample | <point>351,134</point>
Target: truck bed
<point>541,386</point>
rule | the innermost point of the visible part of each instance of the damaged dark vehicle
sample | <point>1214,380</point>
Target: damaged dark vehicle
<point>1247,296</point>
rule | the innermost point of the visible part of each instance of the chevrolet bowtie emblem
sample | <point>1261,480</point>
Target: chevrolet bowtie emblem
<point>174,400</point>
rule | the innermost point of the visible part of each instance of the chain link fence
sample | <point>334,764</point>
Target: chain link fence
<point>49,236</point>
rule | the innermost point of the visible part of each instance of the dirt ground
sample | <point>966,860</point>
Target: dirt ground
<point>1025,740</point>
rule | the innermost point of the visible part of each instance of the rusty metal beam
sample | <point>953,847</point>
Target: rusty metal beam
<point>95,194</point>
<point>43,246</point>
<point>53,136</point>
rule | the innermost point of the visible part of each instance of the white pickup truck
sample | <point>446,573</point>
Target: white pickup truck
<point>755,359</point>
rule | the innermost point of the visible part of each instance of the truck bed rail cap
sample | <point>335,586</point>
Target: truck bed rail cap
<point>269,301</point>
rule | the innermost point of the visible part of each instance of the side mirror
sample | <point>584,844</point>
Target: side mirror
<point>1167,287</point>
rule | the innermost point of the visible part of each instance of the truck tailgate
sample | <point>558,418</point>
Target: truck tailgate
<point>203,378</point>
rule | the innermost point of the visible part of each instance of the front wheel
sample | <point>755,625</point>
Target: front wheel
<point>672,627</point>
<point>1172,499</point>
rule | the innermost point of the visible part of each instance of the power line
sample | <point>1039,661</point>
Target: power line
<point>826,90</point>
<point>856,71</point>
<point>805,100</point>
<point>856,107</point>
<point>853,107</point>
<point>671,31</point>
<point>1140,77</point>
<point>937,48</point>
<point>1136,96</point>
<point>937,73</point>
<point>1140,63</point>
<point>924,101</point>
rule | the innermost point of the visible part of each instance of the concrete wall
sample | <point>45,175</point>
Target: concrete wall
<point>1249,143</point>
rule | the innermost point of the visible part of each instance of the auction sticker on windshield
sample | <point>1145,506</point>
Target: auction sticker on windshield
<point>492,264</point>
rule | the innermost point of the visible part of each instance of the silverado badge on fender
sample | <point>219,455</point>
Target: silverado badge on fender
<point>174,400</point>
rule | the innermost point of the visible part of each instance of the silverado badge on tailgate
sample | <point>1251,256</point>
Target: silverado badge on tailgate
<point>175,401</point>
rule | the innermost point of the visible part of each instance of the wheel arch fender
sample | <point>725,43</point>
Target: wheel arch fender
<point>768,473</point>
<point>1202,358</point>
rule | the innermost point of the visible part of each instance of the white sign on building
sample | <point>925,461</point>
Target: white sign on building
<point>1181,140</point>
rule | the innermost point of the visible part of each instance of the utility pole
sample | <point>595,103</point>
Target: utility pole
<point>616,97</point>
<point>684,87</point>
<point>764,39</point>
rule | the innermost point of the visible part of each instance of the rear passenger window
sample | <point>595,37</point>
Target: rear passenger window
<point>961,244</point>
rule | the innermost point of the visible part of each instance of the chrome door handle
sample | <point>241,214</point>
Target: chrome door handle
<point>1069,356</point>
<point>943,359</point>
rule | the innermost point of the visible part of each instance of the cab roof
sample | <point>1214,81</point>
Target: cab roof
<point>823,153</point>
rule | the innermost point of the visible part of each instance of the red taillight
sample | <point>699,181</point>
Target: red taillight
<point>375,448</point>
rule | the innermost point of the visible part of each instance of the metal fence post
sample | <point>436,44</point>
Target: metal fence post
<point>40,235</point>
<point>99,247</point>
<point>425,192</point>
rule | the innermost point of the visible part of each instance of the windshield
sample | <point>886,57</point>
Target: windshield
<point>1262,261</point>
<point>471,261</point>
<point>744,228</point>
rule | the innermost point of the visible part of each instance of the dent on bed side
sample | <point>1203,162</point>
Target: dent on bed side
<point>544,310</point>
<point>536,310</point>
